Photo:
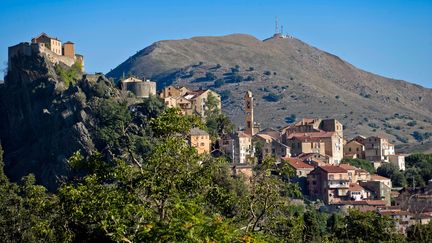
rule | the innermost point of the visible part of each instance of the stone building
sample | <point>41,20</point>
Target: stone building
<point>251,127</point>
<point>200,140</point>
<point>398,160</point>
<point>50,47</point>
<point>315,131</point>
<point>354,149</point>
<point>329,183</point>
<point>51,43</point>
<point>270,147</point>
<point>141,89</point>
<point>378,149</point>
<point>191,102</point>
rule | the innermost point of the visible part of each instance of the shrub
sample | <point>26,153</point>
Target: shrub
<point>373,125</point>
<point>251,69</point>
<point>249,78</point>
<point>290,119</point>
<point>272,97</point>
<point>210,76</point>
<point>412,123</point>
<point>225,94</point>
<point>218,83</point>
<point>69,75</point>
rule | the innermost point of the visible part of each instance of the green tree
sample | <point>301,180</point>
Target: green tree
<point>361,163</point>
<point>423,162</point>
<point>391,171</point>
<point>420,233</point>
<point>370,227</point>
<point>414,178</point>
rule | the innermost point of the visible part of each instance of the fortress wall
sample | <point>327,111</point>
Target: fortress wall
<point>141,89</point>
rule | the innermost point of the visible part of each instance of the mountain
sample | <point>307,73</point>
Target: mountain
<point>290,80</point>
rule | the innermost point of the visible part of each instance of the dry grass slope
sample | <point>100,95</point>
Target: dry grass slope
<point>307,81</point>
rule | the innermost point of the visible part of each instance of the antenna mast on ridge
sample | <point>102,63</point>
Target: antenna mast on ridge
<point>277,26</point>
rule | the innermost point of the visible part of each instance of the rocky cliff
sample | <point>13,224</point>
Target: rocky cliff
<point>43,122</point>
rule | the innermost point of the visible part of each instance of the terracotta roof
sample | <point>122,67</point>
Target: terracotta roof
<point>298,163</point>
<point>378,178</point>
<point>333,169</point>
<point>242,134</point>
<point>354,187</point>
<point>348,167</point>
<point>266,137</point>
<point>355,142</point>
<point>197,132</point>
<point>365,202</point>
<point>310,135</point>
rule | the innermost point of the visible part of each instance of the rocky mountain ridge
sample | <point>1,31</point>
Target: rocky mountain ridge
<point>290,79</point>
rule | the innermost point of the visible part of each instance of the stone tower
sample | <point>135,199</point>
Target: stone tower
<point>249,103</point>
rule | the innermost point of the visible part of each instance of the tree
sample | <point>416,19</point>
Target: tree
<point>413,177</point>
<point>361,163</point>
<point>420,233</point>
<point>423,162</point>
<point>369,227</point>
<point>210,76</point>
<point>390,171</point>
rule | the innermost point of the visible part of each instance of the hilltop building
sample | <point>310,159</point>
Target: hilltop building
<point>354,150</point>
<point>345,185</point>
<point>270,147</point>
<point>200,140</point>
<point>189,101</point>
<point>378,148</point>
<point>251,127</point>
<point>49,46</point>
<point>315,136</point>
<point>141,89</point>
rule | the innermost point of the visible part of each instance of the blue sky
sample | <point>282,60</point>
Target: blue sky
<point>392,38</point>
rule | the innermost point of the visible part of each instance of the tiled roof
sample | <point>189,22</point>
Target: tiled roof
<point>378,178</point>
<point>355,142</point>
<point>365,202</point>
<point>348,167</point>
<point>333,169</point>
<point>298,163</point>
<point>243,135</point>
<point>310,135</point>
<point>198,132</point>
<point>266,137</point>
<point>354,187</point>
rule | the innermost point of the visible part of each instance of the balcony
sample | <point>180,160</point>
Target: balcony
<point>338,184</point>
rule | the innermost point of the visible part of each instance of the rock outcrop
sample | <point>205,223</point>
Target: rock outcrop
<point>42,122</point>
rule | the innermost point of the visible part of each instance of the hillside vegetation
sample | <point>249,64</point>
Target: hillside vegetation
<point>290,78</point>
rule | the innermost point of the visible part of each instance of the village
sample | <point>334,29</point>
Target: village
<point>314,148</point>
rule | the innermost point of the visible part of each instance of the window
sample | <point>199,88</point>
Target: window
<point>349,149</point>
<point>202,144</point>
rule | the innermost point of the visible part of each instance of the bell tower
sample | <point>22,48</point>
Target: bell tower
<point>249,103</point>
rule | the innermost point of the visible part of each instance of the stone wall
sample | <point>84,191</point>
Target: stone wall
<point>141,89</point>
<point>28,49</point>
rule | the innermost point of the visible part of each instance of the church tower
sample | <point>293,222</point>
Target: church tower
<point>249,103</point>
